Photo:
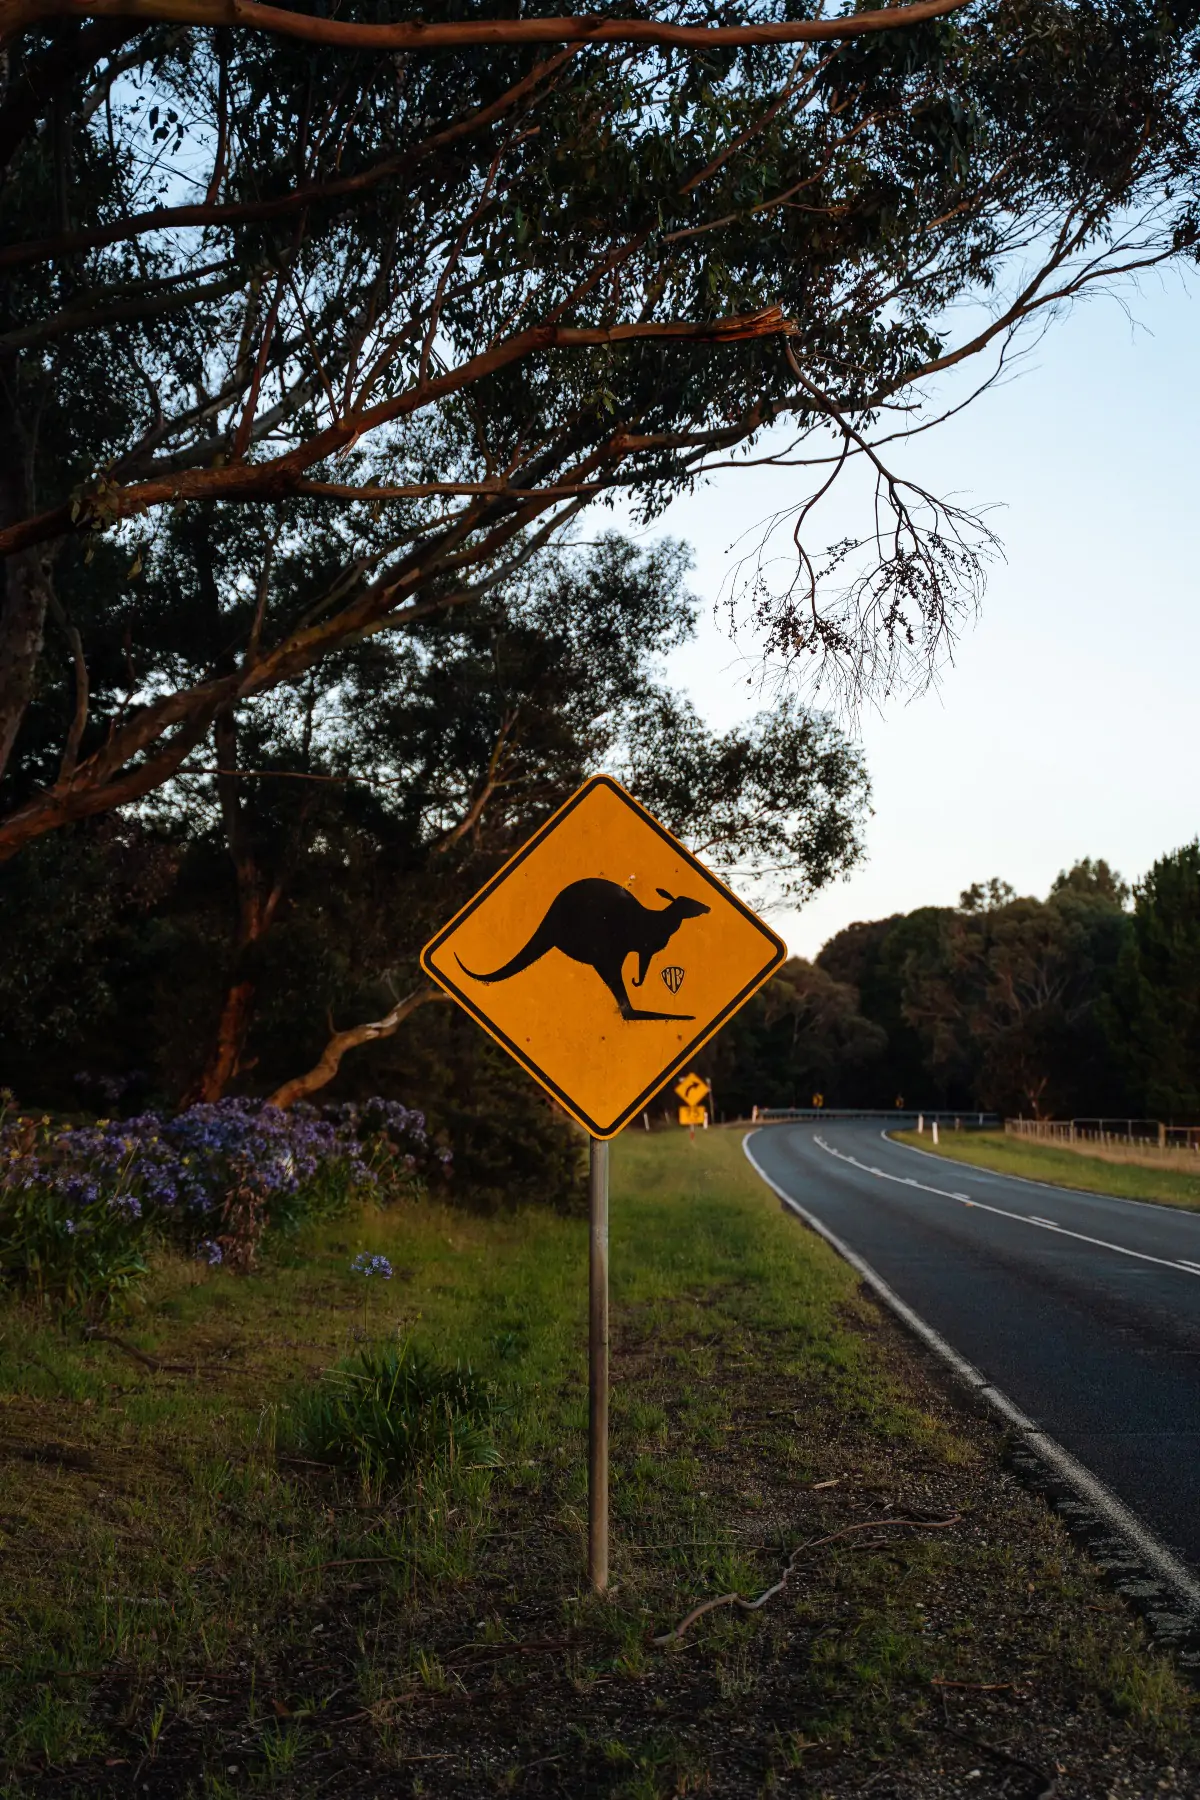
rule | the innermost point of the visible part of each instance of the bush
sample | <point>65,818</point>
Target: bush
<point>71,1250</point>
<point>512,1144</point>
<point>77,1203</point>
<point>388,1411</point>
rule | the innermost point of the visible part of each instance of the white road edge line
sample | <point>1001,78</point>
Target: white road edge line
<point>1051,1187</point>
<point>1090,1489</point>
<point>1001,1212</point>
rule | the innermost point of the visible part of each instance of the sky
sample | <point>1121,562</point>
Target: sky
<point>1068,722</point>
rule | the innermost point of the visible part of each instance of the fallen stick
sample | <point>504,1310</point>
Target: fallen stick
<point>347,1562</point>
<point>976,1687</point>
<point>143,1356</point>
<point>530,1647</point>
<point>740,1600</point>
<point>1005,1756</point>
<point>94,1335</point>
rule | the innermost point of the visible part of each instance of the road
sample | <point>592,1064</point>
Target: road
<point>1083,1309</point>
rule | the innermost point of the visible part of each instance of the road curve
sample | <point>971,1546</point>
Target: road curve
<point>1082,1308</point>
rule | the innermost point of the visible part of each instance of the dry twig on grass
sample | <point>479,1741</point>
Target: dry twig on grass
<point>744,1605</point>
<point>976,1687</point>
<point>142,1356</point>
<point>154,1362</point>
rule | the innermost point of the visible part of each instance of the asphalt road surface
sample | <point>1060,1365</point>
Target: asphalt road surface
<point>1084,1310</point>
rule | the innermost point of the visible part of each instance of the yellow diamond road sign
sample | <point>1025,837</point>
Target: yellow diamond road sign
<point>602,956</point>
<point>692,1089</point>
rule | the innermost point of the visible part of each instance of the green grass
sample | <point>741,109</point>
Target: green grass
<point>389,1411</point>
<point>1062,1167</point>
<point>189,1603</point>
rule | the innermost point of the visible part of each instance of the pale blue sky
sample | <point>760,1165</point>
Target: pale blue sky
<point>1068,724</point>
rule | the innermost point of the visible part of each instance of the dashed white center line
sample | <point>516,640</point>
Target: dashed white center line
<point>1081,1237</point>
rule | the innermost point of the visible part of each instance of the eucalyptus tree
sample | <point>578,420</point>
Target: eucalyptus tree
<point>449,282</point>
<point>259,917</point>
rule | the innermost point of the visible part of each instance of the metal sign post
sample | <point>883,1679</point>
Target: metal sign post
<point>598,1367</point>
<point>602,956</point>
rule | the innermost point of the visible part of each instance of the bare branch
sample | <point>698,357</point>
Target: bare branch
<point>329,1061</point>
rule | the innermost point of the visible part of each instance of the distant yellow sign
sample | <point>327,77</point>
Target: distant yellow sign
<point>692,1115</point>
<point>602,956</point>
<point>692,1089</point>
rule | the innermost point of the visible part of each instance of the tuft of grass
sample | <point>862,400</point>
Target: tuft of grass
<point>1061,1166</point>
<point>392,1409</point>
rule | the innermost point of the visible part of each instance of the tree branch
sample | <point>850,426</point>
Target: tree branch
<point>21,15</point>
<point>329,1061</point>
<point>278,478</point>
<point>491,783</point>
<point>41,80</point>
<point>136,306</point>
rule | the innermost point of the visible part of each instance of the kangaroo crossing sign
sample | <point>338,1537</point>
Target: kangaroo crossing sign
<point>602,956</point>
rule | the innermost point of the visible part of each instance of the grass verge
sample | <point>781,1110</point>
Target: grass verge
<point>192,1608</point>
<point>1061,1167</point>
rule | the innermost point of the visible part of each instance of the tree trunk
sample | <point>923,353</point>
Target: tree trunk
<point>22,622</point>
<point>329,1061</point>
<point>25,597</point>
<point>256,910</point>
<point>226,1058</point>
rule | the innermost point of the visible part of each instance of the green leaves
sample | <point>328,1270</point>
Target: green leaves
<point>260,238</point>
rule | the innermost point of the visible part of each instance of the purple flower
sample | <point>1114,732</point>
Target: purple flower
<point>166,1169</point>
<point>210,1253</point>
<point>366,1264</point>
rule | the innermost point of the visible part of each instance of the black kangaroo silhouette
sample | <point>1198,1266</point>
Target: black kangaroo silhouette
<point>596,922</point>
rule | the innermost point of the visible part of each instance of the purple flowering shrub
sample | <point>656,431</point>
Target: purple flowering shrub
<point>62,1245</point>
<point>77,1203</point>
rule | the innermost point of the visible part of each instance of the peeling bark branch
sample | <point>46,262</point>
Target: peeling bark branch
<point>326,1067</point>
<point>20,15</point>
